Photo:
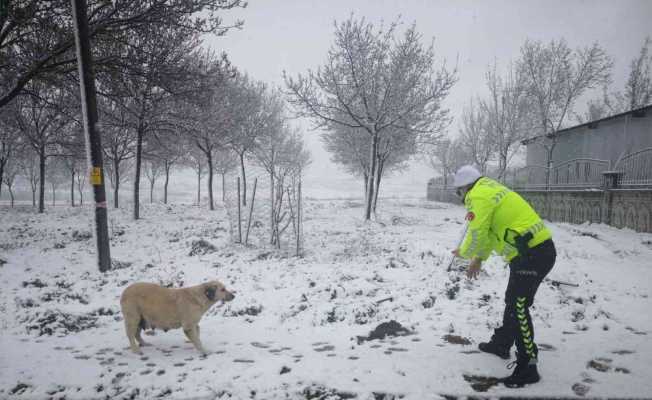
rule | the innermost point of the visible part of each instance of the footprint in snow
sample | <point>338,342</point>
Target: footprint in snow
<point>623,352</point>
<point>324,348</point>
<point>546,347</point>
<point>241,360</point>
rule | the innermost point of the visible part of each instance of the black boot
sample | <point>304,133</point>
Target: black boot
<point>495,348</point>
<point>524,373</point>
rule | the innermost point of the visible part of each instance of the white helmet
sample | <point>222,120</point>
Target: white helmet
<point>466,176</point>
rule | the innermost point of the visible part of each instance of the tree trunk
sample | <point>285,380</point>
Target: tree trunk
<point>379,175</point>
<point>33,197</point>
<point>2,171</point>
<point>41,194</point>
<point>209,157</point>
<point>81,194</point>
<point>72,189</point>
<point>54,194</point>
<point>370,180</point>
<point>151,191</point>
<point>139,153</point>
<point>271,211</point>
<point>11,194</point>
<point>198,186</point>
<point>366,183</point>
<point>167,180</point>
<point>244,180</point>
<point>116,187</point>
<point>223,187</point>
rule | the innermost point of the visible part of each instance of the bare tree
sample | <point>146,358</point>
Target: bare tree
<point>119,144</point>
<point>118,175</point>
<point>74,166</point>
<point>555,78</point>
<point>595,110</point>
<point>29,165</point>
<point>165,149</point>
<point>206,119</point>
<point>41,121</point>
<point>476,135</point>
<point>282,153</point>
<point>164,66</point>
<point>80,181</point>
<point>225,162</point>
<point>250,117</point>
<point>11,172</point>
<point>269,153</point>
<point>196,160</point>
<point>509,119</point>
<point>153,170</point>
<point>448,157</point>
<point>36,37</point>
<point>56,175</point>
<point>378,82</point>
<point>9,142</point>
<point>349,147</point>
<point>638,88</point>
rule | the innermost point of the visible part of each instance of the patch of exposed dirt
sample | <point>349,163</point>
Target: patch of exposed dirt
<point>386,329</point>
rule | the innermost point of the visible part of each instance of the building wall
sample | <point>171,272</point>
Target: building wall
<point>609,140</point>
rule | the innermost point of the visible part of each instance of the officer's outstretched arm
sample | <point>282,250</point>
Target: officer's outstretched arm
<point>477,242</point>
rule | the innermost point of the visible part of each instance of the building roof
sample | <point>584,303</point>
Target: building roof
<point>639,112</point>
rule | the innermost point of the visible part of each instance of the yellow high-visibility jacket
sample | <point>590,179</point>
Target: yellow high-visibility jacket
<point>495,215</point>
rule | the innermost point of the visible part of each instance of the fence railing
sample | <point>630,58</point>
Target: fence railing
<point>636,168</point>
<point>529,177</point>
<point>634,171</point>
<point>579,173</point>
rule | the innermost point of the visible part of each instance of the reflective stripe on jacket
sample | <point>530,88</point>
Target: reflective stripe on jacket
<point>496,213</point>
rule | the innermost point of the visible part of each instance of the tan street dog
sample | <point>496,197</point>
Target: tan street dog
<point>147,305</point>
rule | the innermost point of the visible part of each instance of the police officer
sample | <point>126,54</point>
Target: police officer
<point>502,221</point>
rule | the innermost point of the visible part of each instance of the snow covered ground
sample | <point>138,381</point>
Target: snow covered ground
<point>292,330</point>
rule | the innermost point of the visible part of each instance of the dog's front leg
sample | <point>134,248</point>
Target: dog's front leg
<point>192,333</point>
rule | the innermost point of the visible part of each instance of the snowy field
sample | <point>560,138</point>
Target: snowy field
<point>292,330</point>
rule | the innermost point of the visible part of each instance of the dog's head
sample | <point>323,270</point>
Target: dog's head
<point>215,291</point>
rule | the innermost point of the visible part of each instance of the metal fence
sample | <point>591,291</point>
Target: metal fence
<point>636,169</point>
<point>579,173</point>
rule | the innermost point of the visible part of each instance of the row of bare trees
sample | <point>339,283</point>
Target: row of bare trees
<point>535,96</point>
<point>164,102</point>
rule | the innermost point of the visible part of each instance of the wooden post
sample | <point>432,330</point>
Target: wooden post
<point>251,210</point>
<point>93,139</point>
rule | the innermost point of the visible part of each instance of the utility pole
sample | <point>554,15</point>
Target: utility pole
<point>93,140</point>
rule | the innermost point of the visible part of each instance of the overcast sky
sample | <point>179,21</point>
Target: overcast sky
<point>295,35</point>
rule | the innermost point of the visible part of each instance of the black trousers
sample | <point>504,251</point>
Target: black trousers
<point>525,275</point>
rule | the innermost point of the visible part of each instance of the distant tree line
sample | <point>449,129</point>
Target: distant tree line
<point>537,95</point>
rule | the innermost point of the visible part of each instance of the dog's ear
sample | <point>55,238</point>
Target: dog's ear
<point>210,293</point>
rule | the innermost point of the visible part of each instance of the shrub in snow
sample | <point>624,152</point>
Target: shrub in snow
<point>57,322</point>
<point>115,264</point>
<point>37,283</point>
<point>201,247</point>
<point>79,236</point>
